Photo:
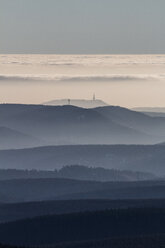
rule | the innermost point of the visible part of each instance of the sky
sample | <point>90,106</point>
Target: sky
<point>82,26</point>
<point>85,34</point>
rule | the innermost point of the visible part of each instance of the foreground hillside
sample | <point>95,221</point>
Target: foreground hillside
<point>53,229</point>
<point>149,158</point>
<point>17,211</point>
<point>154,241</point>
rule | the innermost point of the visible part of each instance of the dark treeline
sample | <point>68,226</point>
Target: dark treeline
<point>78,172</point>
<point>144,158</point>
<point>155,241</point>
<point>8,246</point>
<point>84,226</point>
<point>12,212</point>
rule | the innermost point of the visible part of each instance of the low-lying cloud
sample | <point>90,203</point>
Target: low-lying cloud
<point>81,60</point>
<point>77,78</point>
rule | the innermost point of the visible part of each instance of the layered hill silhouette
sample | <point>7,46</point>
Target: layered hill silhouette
<point>151,111</point>
<point>79,173</point>
<point>10,138</point>
<point>17,211</point>
<point>72,125</point>
<point>61,125</point>
<point>133,119</point>
<point>27,190</point>
<point>143,158</point>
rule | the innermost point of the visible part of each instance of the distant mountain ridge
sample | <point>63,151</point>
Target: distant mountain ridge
<point>82,103</point>
<point>10,138</point>
<point>71,125</point>
<point>144,158</point>
<point>150,109</point>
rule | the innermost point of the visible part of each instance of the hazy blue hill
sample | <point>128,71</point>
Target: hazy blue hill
<point>71,125</point>
<point>8,111</point>
<point>26,190</point>
<point>133,119</point>
<point>43,189</point>
<point>60,113</point>
<point>124,157</point>
<point>122,114</point>
<point>131,192</point>
<point>161,144</point>
<point>10,138</point>
<point>77,172</point>
<point>78,102</point>
<point>54,229</point>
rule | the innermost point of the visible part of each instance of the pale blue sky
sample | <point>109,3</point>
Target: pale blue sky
<point>82,26</point>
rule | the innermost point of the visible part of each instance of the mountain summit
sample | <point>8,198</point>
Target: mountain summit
<point>82,103</point>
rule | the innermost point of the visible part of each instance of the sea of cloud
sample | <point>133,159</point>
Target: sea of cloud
<point>81,78</point>
<point>81,60</point>
<point>126,80</point>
